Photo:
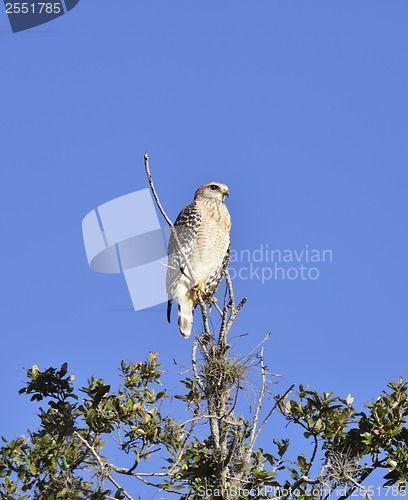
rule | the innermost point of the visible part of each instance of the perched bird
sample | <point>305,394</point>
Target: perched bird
<point>202,229</point>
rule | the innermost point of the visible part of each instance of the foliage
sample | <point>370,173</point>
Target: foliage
<point>64,457</point>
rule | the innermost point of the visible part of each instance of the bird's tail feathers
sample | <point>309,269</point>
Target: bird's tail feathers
<point>185,313</point>
<point>169,302</point>
<point>185,322</point>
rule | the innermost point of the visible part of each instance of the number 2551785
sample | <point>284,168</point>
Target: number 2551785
<point>33,8</point>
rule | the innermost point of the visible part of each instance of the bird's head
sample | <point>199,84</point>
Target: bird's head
<point>212,189</point>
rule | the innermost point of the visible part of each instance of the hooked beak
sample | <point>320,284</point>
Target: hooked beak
<point>225,192</point>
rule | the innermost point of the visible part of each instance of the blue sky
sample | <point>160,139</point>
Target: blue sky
<point>300,107</point>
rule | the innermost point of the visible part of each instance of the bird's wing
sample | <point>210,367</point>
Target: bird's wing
<point>186,226</point>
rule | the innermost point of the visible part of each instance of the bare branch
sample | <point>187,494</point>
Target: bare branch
<point>360,487</point>
<point>259,404</point>
<point>240,305</point>
<point>102,465</point>
<point>204,314</point>
<point>227,306</point>
<point>296,484</point>
<point>230,289</point>
<point>278,400</point>
<point>234,443</point>
<point>159,205</point>
<point>366,472</point>
<point>194,365</point>
<point>226,322</point>
<point>217,307</point>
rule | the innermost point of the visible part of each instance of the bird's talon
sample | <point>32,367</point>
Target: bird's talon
<point>208,298</point>
<point>198,286</point>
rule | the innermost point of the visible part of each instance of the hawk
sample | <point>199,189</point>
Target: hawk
<point>202,228</point>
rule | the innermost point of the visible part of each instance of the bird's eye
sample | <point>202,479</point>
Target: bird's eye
<point>213,187</point>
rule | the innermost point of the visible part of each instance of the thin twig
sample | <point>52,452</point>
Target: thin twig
<point>169,267</point>
<point>227,324</point>
<point>278,400</point>
<point>240,305</point>
<point>297,483</point>
<point>230,289</point>
<point>194,364</point>
<point>227,307</point>
<point>149,176</point>
<point>259,404</point>
<point>367,471</point>
<point>217,307</point>
<point>204,314</point>
<point>360,486</point>
<point>103,465</point>
<point>268,334</point>
<point>315,448</point>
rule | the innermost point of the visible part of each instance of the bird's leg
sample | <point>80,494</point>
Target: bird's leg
<point>199,287</point>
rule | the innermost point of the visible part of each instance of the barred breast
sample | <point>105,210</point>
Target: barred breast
<point>213,239</point>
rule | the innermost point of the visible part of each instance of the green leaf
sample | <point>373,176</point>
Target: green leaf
<point>318,425</point>
<point>63,369</point>
<point>32,468</point>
